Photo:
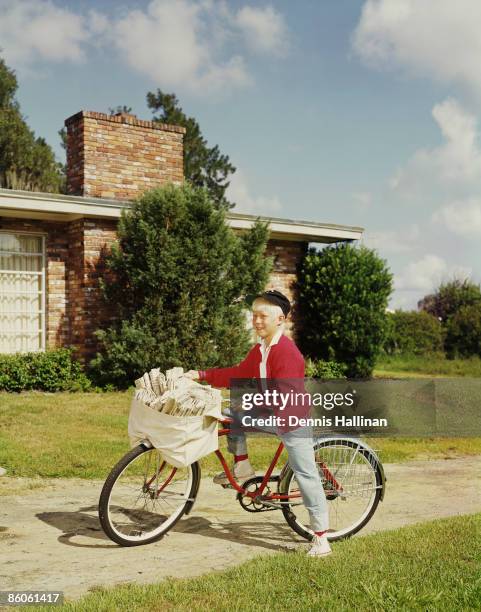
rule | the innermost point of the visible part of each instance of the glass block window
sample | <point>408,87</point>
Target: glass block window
<point>22,293</point>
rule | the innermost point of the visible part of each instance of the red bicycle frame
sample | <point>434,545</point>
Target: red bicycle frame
<point>272,496</point>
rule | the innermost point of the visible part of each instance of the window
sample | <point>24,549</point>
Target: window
<point>22,293</point>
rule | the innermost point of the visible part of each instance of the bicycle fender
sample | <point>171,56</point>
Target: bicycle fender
<point>189,504</point>
<point>146,444</point>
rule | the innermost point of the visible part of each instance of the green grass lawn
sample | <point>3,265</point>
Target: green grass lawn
<point>413,366</point>
<point>84,434</point>
<point>430,567</point>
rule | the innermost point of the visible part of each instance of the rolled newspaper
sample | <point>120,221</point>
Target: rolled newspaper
<point>174,394</point>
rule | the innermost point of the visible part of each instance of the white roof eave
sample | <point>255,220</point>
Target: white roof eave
<point>59,207</point>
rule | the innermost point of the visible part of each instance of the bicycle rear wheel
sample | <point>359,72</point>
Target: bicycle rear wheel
<point>353,483</point>
<point>144,496</point>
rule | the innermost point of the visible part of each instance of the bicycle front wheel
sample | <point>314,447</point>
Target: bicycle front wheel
<point>144,496</point>
<point>351,476</point>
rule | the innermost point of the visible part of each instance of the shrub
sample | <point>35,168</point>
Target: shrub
<point>343,294</point>
<point>416,333</point>
<point>463,332</point>
<point>325,369</point>
<point>179,272</point>
<point>43,371</point>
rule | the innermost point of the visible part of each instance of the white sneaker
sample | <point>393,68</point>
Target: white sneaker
<point>242,471</point>
<point>3,471</point>
<point>320,547</point>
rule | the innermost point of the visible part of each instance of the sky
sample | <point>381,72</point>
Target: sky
<point>363,113</point>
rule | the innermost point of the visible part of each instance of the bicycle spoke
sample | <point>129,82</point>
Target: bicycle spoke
<point>350,481</point>
<point>140,511</point>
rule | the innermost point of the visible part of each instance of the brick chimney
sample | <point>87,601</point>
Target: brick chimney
<point>120,156</point>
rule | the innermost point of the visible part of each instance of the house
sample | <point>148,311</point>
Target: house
<point>52,246</point>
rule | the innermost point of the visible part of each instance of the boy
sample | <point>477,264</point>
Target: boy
<point>276,357</point>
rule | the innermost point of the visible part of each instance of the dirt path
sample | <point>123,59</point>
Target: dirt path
<point>50,538</point>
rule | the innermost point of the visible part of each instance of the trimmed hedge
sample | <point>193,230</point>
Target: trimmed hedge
<point>54,370</point>
<point>343,295</point>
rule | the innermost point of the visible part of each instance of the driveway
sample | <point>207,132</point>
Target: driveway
<point>51,538</point>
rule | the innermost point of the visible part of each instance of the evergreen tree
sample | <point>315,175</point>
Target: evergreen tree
<point>26,162</point>
<point>204,166</point>
<point>178,275</point>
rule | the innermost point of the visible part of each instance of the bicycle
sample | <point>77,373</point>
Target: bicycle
<point>144,497</point>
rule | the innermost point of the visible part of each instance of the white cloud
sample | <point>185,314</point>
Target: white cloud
<point>403,300</point>
<point>180,45</point>
<point>263,29</point>
<point>457,161</point>
<point>435,38</point>
<point>427,273</point>
<point>462,217</point>
<point>394,241</point>
<point>239,192</point>
<point>169,43</point>
<point>421,277</point>
<point>33,30</point>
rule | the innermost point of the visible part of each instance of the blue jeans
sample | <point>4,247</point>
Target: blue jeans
<point>300,450</point>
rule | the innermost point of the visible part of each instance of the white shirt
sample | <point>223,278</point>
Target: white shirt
<point>265,353</point>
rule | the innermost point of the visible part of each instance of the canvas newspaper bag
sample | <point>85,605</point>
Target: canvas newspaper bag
<point>176,415</point>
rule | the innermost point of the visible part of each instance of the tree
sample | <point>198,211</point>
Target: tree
<point>26,162</point>
<point>204,166</point>
<point>178,275</point>
<point>457,304</point>
<point>413,332</point>
<point>450,297</point>
<point>343,294</point>
<point>463,332</point>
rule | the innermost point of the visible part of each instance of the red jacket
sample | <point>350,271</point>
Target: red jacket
<point>285,360</point>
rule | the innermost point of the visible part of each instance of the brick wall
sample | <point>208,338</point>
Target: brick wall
<point>287,256</point>
<point>57,258</point>
<point>120,156</point>
<point>99,234</point>
<point>90,240</point>
<point>75,279</point>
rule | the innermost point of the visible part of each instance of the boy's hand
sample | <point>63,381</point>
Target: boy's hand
<point>192,374</point>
